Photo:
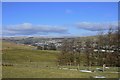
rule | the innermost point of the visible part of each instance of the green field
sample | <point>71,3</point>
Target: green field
<point>27,62</point>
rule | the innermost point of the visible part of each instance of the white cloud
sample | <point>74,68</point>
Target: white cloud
<point>96,26</point>
<point>30,29</point>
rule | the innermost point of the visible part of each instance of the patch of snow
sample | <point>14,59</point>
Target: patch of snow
<point>99,77</point>
<point>85,71</point>
<point>107,67</point>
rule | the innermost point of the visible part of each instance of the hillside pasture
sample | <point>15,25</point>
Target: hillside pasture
<point>28,62</point>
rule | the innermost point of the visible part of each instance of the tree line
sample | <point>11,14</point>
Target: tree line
<point>104,49</point>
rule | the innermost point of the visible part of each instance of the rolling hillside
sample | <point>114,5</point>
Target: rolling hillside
<point>22,61</point>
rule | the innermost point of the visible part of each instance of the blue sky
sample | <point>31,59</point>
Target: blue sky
<point>57,18</point>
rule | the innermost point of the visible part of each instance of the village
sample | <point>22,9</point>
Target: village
<point>57,44</point>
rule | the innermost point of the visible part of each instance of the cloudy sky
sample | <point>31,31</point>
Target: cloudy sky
<point>58,18</point>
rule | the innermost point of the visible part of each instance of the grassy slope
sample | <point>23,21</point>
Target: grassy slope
<point>10,45</point>
<point>37,64</point>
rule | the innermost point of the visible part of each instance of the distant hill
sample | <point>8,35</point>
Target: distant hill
<point>31,40</point>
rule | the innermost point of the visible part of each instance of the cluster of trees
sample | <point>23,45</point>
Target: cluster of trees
<point>50,46</point>
<point>68,54</point>
<point>104,49</point>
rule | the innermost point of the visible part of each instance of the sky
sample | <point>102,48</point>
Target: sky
<point>58,18</point>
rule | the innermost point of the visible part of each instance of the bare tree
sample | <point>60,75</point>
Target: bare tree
<point>66,56</point>
<point>88,52</point>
